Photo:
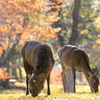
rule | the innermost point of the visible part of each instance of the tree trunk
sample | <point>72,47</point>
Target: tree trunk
<point>73,39</point>
<point>14,72</point>
<point>75,33</point>
<point>58,23</point>
<point>8,53</point>
<point>61,39</point>
<point>20,73</point>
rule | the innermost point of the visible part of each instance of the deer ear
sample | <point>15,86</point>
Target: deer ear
<point>90,75</point>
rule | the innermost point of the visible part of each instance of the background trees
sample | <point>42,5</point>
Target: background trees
<point>86,32</point>
<point>50,21</point>
<point>22,20</point>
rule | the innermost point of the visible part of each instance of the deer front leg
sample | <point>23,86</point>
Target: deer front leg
<point>48,85</point>
<point>26,67</point>
<point>63,81</point>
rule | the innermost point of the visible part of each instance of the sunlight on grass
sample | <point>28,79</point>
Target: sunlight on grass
<point>83,93</point>
<point>56,96</point>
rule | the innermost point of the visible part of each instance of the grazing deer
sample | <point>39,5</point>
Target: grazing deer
<point>38,62</point>
<point>75,59</point>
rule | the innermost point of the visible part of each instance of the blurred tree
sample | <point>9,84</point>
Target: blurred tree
<point>65,18</point>
<point>88,24</point>
<point>89,28</point>
<point>83,30</point>
<point>22,20</point>
<point>55,4</point>
<point>60,23</point>
<point>75,16</point>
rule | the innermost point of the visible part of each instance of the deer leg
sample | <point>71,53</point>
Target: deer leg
<point>69,80</point>
<point>48,85</point>
<point>27,91</point>
<point>64,81</point>
<point>27,69</point>
<point>64,78</point>
<point>74,77</point>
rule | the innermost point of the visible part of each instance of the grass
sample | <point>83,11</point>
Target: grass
<point>17,92</point>
<point>55,96</point>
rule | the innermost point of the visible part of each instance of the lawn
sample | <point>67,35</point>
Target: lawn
<point>17,92</point>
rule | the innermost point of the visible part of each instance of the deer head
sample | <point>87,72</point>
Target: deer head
<point>36,83</point>
<point>93,81</point>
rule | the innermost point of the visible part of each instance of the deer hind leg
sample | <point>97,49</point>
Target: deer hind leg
<point>48,85</point>
<point>64,81</point>
<point>65,78</point>
<point>69,80</point>
<point>74,77</point>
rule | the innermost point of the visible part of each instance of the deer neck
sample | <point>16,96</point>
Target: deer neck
<point>87,71</point>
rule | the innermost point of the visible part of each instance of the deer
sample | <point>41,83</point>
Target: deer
<point>74,59</point>
<point>38,62</point>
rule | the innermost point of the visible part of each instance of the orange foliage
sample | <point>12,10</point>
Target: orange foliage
<point>55,6</point>
<point>1,51</point>
<point>3,75</point>
<point>29,18</point>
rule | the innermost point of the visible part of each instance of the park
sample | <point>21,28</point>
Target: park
<point>49,50</point>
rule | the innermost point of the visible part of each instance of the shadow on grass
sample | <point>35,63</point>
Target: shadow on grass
<point>13,89</point>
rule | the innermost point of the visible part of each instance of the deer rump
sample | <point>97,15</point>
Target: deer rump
<point>38,62</point>
<point>75,59</point>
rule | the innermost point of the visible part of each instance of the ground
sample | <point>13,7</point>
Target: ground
<point>17,92</point>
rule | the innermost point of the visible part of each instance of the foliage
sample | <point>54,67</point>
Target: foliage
<point>1,51</point>
<point>27,17</point>
<point>88,28</point>
<point>89,20</point>
<point>3,74</point>
<point>22,20</point>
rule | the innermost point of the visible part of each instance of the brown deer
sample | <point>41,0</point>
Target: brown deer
<point>75,59</point>
<point>38,62</point>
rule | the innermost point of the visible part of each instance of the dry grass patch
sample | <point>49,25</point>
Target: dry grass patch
<point>83,93</point>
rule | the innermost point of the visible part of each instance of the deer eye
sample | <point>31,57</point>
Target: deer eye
<point>34,81</point>
<point>94,83</point>
<point>36,87</point>
<point>88,75</point>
